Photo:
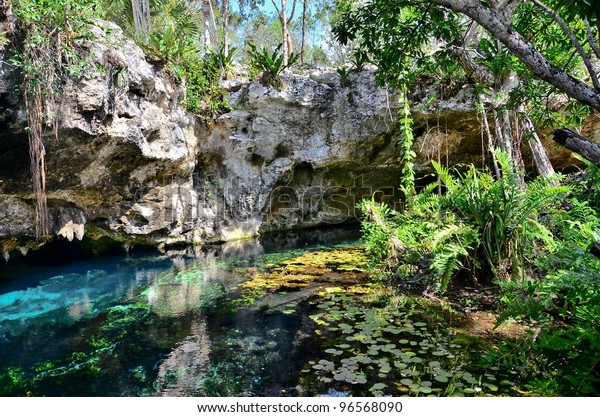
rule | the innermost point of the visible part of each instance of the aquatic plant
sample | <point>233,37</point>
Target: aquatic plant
<point>387,351</point>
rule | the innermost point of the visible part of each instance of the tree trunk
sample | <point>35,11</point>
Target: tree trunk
<point>141,17</point>
<point>206,24</point>
<point>578,144</point>
<point>284,31</point>
<point>492,21</point>
<point>303,47</point>
<point>543,165</point>
<point>225,27</point>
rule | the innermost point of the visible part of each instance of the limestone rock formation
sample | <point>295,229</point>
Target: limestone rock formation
<point>131,166</point>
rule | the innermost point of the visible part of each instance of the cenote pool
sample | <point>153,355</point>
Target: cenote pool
<point>291,315</point>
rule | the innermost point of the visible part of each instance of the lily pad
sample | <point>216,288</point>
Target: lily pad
<point>379,386</point>
<point>492,387</point>
<point>441,378</point>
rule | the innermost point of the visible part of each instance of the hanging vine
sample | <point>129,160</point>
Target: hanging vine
<point>44,50</point>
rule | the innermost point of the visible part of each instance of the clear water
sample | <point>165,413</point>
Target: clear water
<point>150,324</point>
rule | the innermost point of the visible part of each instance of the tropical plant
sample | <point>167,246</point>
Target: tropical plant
<point>486,227</point>
<point>344,74</point>
<point>563,308</point>
<point>270,64</point>
<point>503,211</point>
<point>222,59</point>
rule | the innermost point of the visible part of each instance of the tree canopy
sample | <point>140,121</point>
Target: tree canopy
<point>554,41</point>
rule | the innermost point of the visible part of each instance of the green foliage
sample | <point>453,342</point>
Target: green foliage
<point>204,97</point>
<point>376,236</point>
<point>344,74</point>
<point>270,64</point>
<point>412,40</point>
<point>478,218</point>
<point>564,307</point>
<point>503,212</point>
<point>399,38</point>
<point>174,41</point>
<point>407,154</point>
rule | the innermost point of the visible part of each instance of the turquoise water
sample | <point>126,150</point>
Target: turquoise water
<point>150,324</point>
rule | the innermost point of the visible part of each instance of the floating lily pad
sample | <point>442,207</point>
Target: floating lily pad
<point>339,376</point>
<point>441,378</point>
<point>469,379</point>
<point>434,364</point>
<point>361,379</point>
<point>378,386</point>
<point>492,387</point>
<point>406,381</point>
<point>425,390</point>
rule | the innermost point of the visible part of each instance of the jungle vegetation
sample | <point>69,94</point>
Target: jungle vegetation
<point>534,65</point>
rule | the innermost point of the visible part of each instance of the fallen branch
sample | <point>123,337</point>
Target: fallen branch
<point>578,144</point>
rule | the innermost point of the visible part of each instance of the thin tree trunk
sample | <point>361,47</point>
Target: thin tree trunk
<point>490,141</point>
<point>540,156</point>
<point>225,27</point>
<point>287,46</point>
<point>282,15</point>
<point>141,17</point>
<point>284,31</point>
<point>206,24</point>
<point>303,47</point>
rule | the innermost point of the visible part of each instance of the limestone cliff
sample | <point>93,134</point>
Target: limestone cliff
<point>131,166</point>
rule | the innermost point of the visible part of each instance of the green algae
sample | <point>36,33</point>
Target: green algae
<point>300,272</point>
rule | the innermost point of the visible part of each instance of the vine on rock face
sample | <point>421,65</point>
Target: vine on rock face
<point>406,152</point>
<point>44,51</point>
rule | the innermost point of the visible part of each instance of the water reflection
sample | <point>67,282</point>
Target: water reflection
<point>51,313</point>
<point>181,373</point>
